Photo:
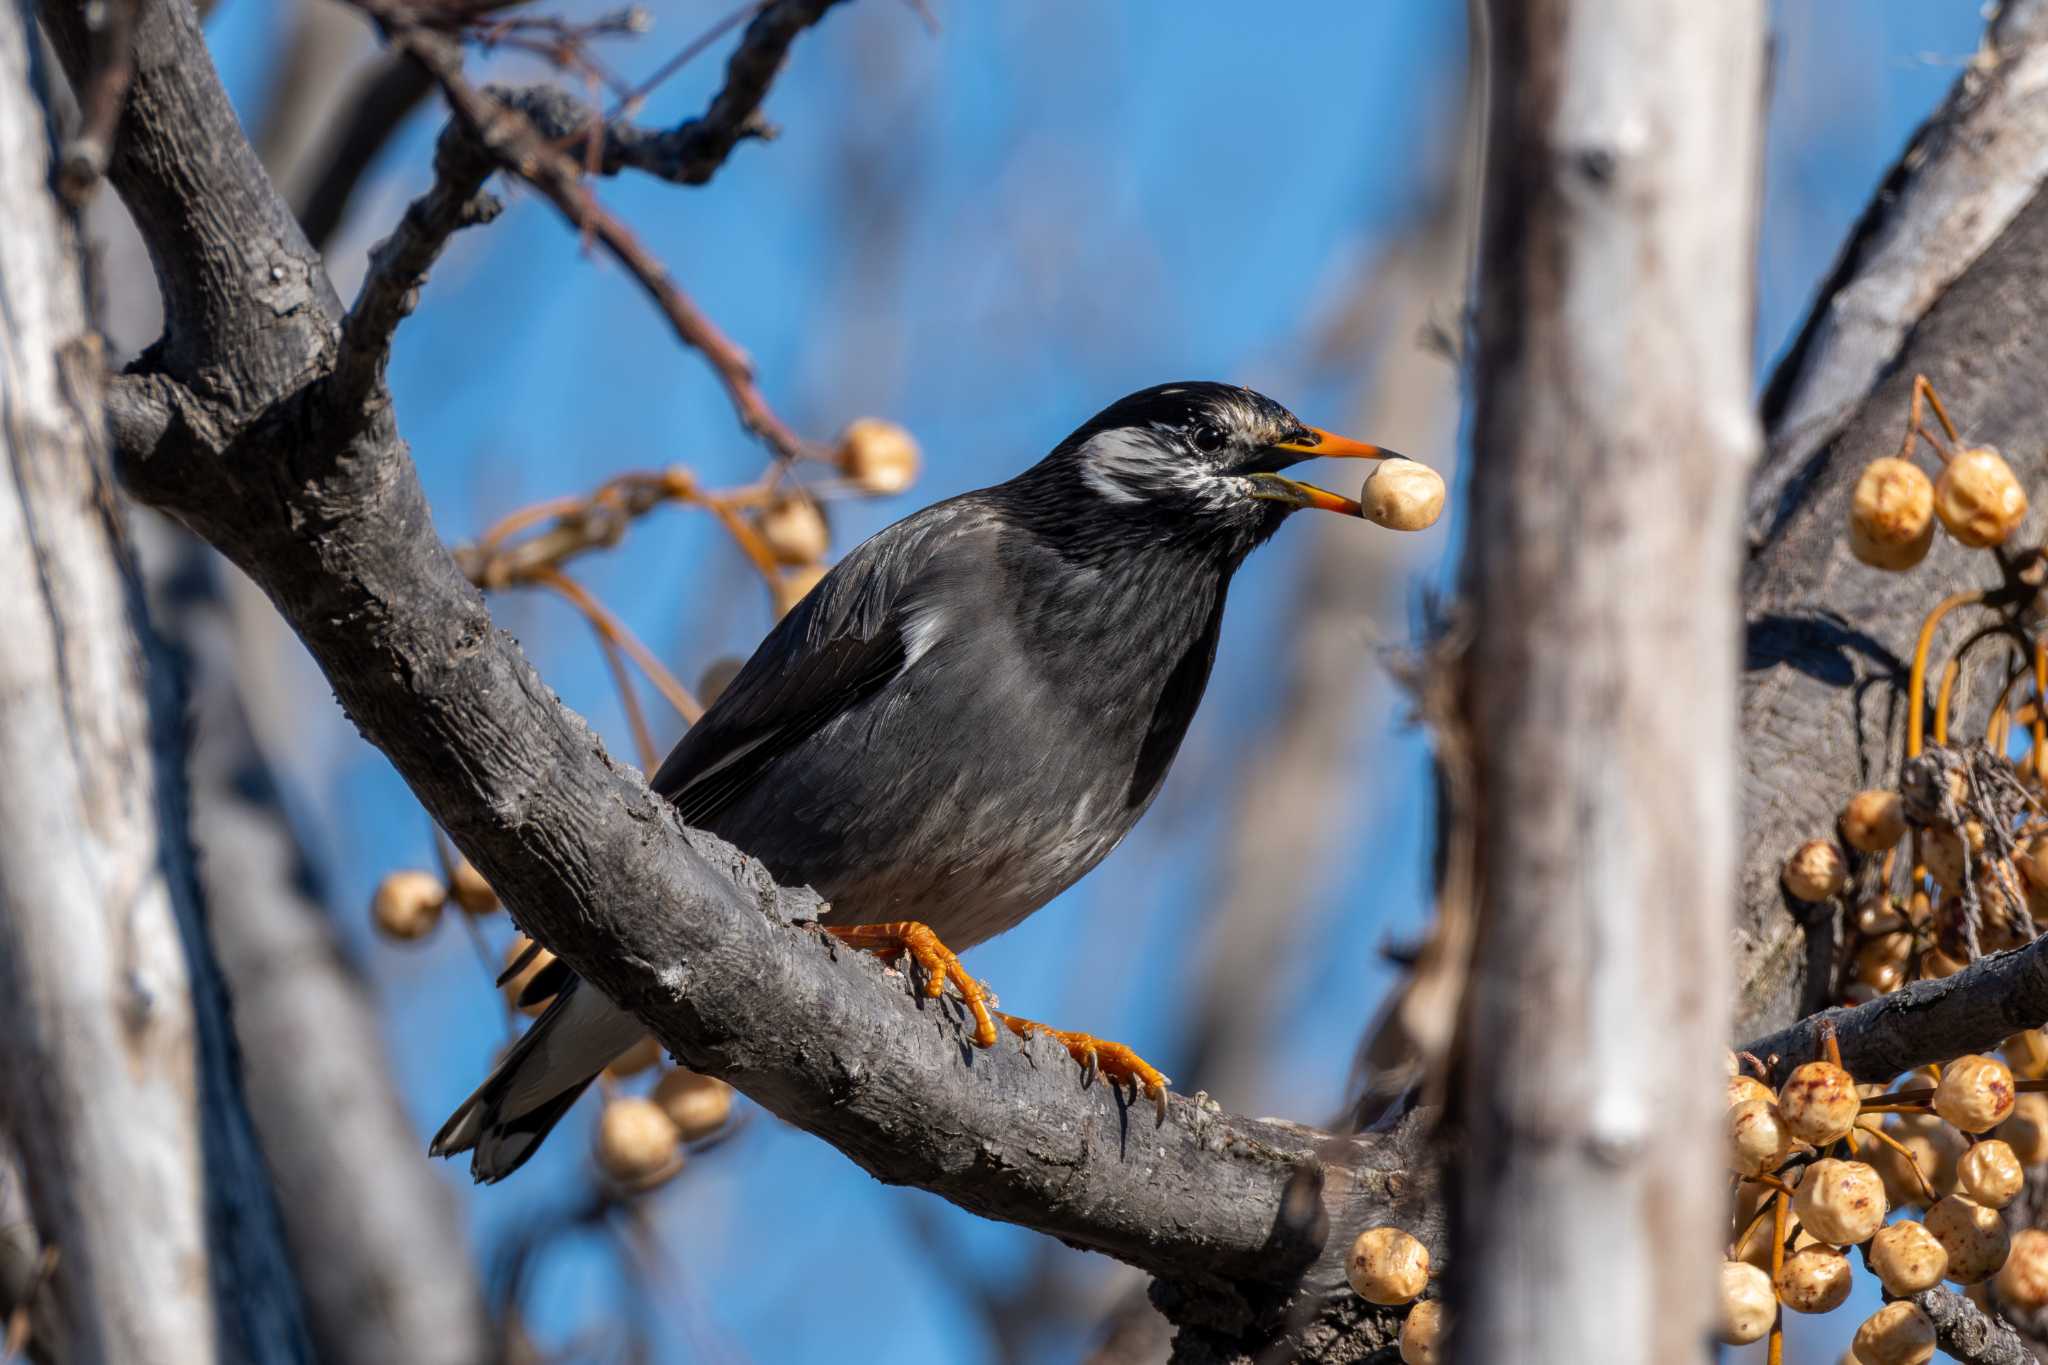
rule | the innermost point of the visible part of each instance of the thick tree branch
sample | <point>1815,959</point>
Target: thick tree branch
<point>1970,1335</point>
<point>328,516</point>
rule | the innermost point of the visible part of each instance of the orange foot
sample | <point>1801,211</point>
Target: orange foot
<point>1113,1060</point>
<point>940,965</point>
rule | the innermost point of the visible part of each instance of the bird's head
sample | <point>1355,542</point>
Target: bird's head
<point>1205,455</point>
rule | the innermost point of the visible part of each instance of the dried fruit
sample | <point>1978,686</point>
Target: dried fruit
<point>1816,871</point>
<point>407,904</point>
<point>878,456</point>
<point>1758,1139</point>
<point>1896,1334</point>
<point>515,986</point>
<point>1935,964</point>
<point>635,1059</point>
<point>1819,1103</point>
<point>791,585</point>
<point>1907,1258</point>
<point>1978,499</point>
<point>1877,917</point>
<point>1387,1266</point>
<point>2032,861</point>
<point>2026,1132</point>
<point>1422,1334</point>
<point>1975,1094</point>
<point>1748,1304</point>
<point>1814,1280</point>
<point>1973,1236</point>
<point>2023,1280</point>
<point>1744,1088</point>
<point>793,528</point>
<point>1990,1173</point>
<point>1942,851</point>
<point>1891,515</point>
<point>698,1105</point>
<point>1874,820</point>
<point>635,1140</point>
<point>1840,1202</point>
<point>1402,495</point>
<point>470,890</point>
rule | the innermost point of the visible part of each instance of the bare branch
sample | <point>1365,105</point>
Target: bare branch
<point>325,511</point>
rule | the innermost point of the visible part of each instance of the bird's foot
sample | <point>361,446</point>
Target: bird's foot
<point>935,958</point>
<point>1098,1055</point>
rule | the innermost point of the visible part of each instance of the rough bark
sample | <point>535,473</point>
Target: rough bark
<point>230,424</point>
<point>374,1234</point>
<point>1612,435</point>
<point>1946,276</point>
<point>118,1081</point>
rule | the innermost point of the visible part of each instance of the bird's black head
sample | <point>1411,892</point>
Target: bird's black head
<point>1200,454</point>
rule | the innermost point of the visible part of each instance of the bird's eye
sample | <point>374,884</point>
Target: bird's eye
<point>1208,440</point>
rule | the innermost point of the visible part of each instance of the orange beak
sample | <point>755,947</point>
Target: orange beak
<point>1321,443</point>
<point>1275,488</point>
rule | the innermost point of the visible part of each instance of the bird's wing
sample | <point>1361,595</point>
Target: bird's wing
<point>834,649</point>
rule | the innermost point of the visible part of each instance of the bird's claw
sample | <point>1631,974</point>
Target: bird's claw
<point>933,957</point>
<point>1100,1057</point>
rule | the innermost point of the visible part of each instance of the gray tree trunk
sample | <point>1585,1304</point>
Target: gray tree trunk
<point>1612,437</point>
<point>117,1075</point>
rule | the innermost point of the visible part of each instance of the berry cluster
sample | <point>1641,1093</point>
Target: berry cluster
<point>1390,1267</point>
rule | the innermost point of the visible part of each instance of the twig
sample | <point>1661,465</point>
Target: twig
<point>399,265</point>
<point>84,159</point>
<point>1968,1334</point>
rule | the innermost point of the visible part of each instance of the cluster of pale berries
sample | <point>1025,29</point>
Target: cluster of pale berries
<point>1389,1267</point>
<point>876,458</point>
<point>1935,1157</point>
<point>641,1139</point>
<point>1892,513</point>
<point>1925,936</point>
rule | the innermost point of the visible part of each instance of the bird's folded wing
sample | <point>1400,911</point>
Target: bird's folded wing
<point>840,645</point>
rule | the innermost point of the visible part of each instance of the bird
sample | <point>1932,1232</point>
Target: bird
<point>963,717</point>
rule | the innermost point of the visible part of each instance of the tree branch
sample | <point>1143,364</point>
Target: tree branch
<point>1969,1335</point>
<point>328,517</point>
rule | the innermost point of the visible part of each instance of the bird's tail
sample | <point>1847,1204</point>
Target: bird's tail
<point>527,1093</point>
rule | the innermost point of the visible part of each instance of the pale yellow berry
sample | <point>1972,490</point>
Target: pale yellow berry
<point>1891,515</point>
<point>2026,1132</point>
<point>1816,871</point>
<point>792,585</point>
<point>1973,1236</point>
<point>1907,1258</point>
<point>2023,1279</point>
<point>1819,1103</point>
<point>1744,1088</point>
<point>1402,495</point>
<point>1896,1334</point>
<point>878,456</point>
<point>793,529</point>
<point>1815,1280</point>
<point>1878,917</point>
<point>515,986</point>
<point>1975,1094</point>
<point>470,890</point>
<point>1387,1266</point>
<point>1942,850</point>
<point>1748,1304</point>
<point>2032,860</point>
<point>407,904</point>
<point>1990,1173</point>
<point>698,1105</point>
<point>635,1059</point>
<point>1422,1334</point>
<point>1840,1202</point>
<point>1758,1140</point>
<point>1978,499</point>
<point>635,1140</point>
<point>1874,821</point>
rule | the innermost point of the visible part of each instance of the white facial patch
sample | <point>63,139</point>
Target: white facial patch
<point>1131,465</point>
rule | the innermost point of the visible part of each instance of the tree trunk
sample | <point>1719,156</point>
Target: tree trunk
<point>1612,436</point>
<point>117,1075</point>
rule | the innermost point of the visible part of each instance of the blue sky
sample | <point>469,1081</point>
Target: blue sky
<point>984,233</point>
